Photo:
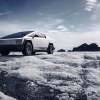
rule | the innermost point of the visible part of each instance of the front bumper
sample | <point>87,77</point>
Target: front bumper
<point>11,47</point>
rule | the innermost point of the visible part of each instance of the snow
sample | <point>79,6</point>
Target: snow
<point>5,97</point>
<point>71,73</point>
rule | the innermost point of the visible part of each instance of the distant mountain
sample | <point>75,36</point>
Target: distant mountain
<point>87,47</point>
<point>61,50</point>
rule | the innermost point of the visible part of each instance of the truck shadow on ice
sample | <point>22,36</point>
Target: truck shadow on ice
<point>9,57</point>
<point>16,55</point>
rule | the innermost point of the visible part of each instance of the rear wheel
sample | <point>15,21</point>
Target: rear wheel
<point>50,49</point>
<point>4,53</point>
<point>28,49</point>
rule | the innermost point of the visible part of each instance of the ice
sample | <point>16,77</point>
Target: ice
<point>71,74</point>
<point>5,97</point>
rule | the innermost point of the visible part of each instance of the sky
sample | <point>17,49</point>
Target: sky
<point>68,22</point>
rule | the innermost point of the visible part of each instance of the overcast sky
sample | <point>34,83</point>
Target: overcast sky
<point>68,22</point>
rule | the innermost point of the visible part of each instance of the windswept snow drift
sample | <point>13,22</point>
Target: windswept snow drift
<point>62,76</point>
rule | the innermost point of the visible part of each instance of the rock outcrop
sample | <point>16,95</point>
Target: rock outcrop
<point>86,47</point>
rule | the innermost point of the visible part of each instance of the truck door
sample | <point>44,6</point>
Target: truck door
<point>40,42</point>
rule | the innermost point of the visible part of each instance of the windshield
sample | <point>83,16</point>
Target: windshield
<point>17,35</point>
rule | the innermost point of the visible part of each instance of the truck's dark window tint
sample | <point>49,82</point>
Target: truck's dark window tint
<point>42,35</point>
<point>17,35</point>
<point>36,35</point>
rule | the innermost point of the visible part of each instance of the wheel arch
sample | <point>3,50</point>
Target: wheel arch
<point>52,45</point>
<point>24,46</point>
<point>24,43</point>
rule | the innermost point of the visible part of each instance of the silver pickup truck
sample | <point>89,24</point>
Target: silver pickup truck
<point>28,42</point>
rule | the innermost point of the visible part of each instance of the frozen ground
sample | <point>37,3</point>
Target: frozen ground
<point>62,76</point>
<point>5,97</point>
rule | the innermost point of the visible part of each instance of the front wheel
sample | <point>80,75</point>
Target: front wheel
<point>50,49</point>
<point>28,49</point>
<point>4,53</point>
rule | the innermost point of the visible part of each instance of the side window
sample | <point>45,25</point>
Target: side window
<point>40,35</point>
<point>43,36</point>
<point>36,35</point>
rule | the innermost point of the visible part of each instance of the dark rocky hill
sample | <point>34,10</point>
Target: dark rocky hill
<point>87,47</point>
<point>61,50</point>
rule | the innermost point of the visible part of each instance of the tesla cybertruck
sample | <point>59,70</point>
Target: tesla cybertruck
<point>27,42</point>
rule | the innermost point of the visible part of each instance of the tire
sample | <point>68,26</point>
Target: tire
<point>28,49</point>
<point>50,49</point>
<point>4,53</point>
